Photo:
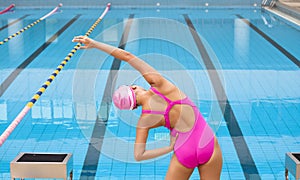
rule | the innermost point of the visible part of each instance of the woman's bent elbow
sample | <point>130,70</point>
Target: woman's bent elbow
<point>138,157</point>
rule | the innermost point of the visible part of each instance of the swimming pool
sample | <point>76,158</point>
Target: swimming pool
<point>240,65</point>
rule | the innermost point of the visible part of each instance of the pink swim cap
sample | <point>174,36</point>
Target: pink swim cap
<point>124,98</point>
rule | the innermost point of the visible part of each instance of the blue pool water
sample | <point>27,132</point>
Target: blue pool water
<point>241,66</point>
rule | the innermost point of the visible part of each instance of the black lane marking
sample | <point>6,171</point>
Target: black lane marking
<point>270,40</point>
<point>90,165</point>
<point>7,82</point>
<point>243,152</point>
<point>13,22</point>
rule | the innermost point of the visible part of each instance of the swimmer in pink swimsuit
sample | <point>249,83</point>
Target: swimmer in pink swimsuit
<point>194,147</point>
<point>192,140</point>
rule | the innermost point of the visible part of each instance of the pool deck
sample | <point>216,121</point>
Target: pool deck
<point>287,9</point>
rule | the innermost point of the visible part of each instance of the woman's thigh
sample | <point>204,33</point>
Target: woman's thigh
<point>177,170</point>
<point>212,169</point>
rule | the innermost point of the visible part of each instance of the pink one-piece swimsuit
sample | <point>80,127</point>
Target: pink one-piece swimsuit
<point>194,147</point>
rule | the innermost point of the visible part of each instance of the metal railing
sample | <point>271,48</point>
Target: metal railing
<point>269,3</point>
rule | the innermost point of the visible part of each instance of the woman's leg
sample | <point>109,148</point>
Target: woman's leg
<point>177,170</point>
<point>212,169</point>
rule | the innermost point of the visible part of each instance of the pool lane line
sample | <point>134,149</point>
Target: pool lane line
<point>270,40</point>
<point>38,94</point>
<point>90,165</point>
<point>243,152</point>
<point>30,25</point>
<point>10,7</point>
<point>13,22</point>
<point>8,81</point>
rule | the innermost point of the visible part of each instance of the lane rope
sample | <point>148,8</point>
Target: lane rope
<point>7,9</point>
<point>31,25</point>
<point>38,94</point>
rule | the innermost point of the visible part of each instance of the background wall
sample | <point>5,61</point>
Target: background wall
<point>129,3</point>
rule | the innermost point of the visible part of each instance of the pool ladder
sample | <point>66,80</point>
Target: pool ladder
<point>269,3</point>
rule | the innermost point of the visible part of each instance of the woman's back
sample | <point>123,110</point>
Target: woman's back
<point>178,112</point>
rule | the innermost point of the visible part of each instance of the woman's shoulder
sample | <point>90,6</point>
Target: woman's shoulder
<point>172,92</point>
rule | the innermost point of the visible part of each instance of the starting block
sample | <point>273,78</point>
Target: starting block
<point>42,165</point>
<point>292,164</point>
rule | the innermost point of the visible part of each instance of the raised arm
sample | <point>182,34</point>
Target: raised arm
<point>153,77</point>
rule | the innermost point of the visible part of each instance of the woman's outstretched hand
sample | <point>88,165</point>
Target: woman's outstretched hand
<point>88,42</point>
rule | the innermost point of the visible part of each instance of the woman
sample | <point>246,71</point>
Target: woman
<point>192,140</point>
